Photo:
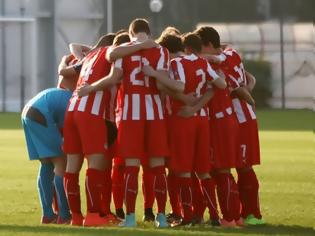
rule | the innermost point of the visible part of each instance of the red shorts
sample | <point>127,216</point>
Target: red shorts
<point>84,133</point>
<point>142,139</point>
<point>189,144</point>
<point>249,144</point>
<point>224,142</point>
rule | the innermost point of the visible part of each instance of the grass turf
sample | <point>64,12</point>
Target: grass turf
<point>286,183</point>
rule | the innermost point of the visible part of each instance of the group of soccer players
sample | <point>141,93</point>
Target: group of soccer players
<point>181,103</point>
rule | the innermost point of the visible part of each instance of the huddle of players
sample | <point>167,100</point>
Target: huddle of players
<point>183,104</point>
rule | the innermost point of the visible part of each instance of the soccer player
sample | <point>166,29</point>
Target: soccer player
<point>85,122</point>
<point>42,119</point>
<point>232,66</point>
<point>142,129</point>
<point>190,146</point>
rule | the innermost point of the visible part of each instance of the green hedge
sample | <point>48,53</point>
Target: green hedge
<point>262,72</point>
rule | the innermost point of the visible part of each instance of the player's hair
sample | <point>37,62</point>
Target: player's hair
<point>121,31</point>
<point>121,38</point>
<point>193,42</point>
<point>209,35</point>
<point>171,30</point>
<point>105,40</point>
<point>139,25</point>
<point>172,42</point>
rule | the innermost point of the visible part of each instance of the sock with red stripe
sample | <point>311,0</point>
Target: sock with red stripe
<point>208,191</point>
<point>147,187</point>
<point>249,193</point>
<point>160,187</point>
<point>106,193</point>
<point>72,189</point>
<point>118,185</point>
<point>131,188</point>
<point>185,194</point>
<point>94,183</point>
<point>199,202</point>
<point>173,193</point>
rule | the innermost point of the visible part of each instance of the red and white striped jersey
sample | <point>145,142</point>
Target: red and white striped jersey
<point>139,98</point>
<point>234,69</point>
<point>194,72</point>
<point>94,67</point>
<point>220,104</point>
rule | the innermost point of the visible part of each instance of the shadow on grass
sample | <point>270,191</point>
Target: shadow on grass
<point>202,230</point>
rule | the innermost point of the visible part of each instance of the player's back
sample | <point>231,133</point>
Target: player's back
<point>236,71</point>
<point>134,78</point>
<point>139,98</point>
<point>52,102</point>
<point>94,67</point>
<point>192,71</point>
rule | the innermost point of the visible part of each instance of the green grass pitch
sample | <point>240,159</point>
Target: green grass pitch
<point>287,191</point>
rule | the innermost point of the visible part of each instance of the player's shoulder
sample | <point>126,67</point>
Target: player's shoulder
<point>230,52</point>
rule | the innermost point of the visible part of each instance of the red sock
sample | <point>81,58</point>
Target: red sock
<point>249,193</point>
<point>185,193</point>
<point>118,185</point>
<point>94,182</point>
<point>106,193</point>
<point>160,187</point>
<point>223,181</point>
<point>173,192</point>
<point>208,191</point>
<point>235,199</point>
<point>199,203</point>
<point>131,188</point>
<point>147,187</point>
<point>72,189</point>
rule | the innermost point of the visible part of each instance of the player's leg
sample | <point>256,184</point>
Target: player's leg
<point>64,215</point>
<point>46,191</point>
<point>173,193</point>
<point>118,172</point>
<point>249,195</point>
<point>199,202</point>
<point>72,187</point>
<point>98,175</point>
<point>157,166</point>
<point>131,190</point>
<point>157,148</point>
<point>202,167</point>
<point>148,193</point>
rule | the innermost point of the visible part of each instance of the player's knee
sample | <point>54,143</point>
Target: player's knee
<point>74,163</point>
<point>203,176</point>
<point>156,161</point>
<point>133,162</point>
<point>184,175</point>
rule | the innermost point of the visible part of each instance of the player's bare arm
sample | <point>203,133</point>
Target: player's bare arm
<point>79,50</point>
<point>243,94</point>
<point>113,78</point>
<point>124,50</point>
<point>251,81</point>
<point>64,69</point>
<point>162,77</point>
<point>188,111</point>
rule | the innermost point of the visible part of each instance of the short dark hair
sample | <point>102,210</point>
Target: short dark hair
<point>139,25</point>
<point>171,41</point>
<point>105,40</point>
<point>192,41</point>
<point>121,38</point>
<point>209,35</point>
